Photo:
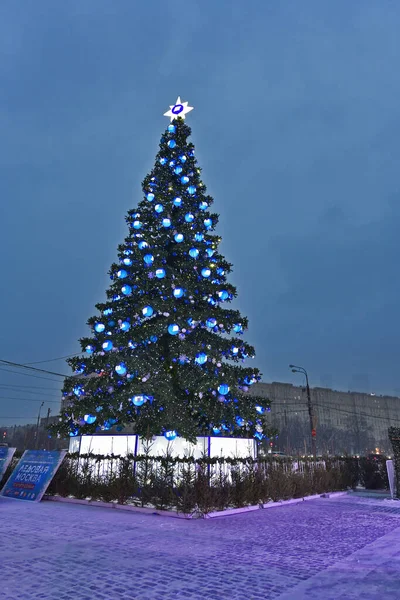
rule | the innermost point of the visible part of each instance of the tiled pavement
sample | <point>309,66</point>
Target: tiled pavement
<point>57,551</point>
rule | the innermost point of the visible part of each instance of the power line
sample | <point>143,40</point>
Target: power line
<point>20,418</point>
<point>337,408</point>
<point>29,399</point>
<point>31,392</point>
<point>21,366</point>
<point>39,362</point>
<point>28,375</point>
<point>29,387</point>
<point>358,414</point>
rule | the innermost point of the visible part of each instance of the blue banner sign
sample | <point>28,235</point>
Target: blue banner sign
<point>6,455</point>
<point>32,475</point>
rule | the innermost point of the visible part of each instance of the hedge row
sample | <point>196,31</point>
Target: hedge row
<point>200,486</point>
<point>394,437</point>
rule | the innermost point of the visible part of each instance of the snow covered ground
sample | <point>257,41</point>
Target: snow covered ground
<point>333,548</point>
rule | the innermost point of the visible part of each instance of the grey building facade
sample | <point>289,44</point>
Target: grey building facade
<point>347,422</point>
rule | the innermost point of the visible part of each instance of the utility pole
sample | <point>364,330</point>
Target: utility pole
<point>47,424</point>
<point>310,410</point>
<point>37,427</point>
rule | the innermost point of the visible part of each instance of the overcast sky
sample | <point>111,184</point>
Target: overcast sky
<point>296,126</point>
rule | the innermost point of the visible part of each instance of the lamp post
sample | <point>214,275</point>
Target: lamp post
<point>37,427</point>
<point>302,370</point>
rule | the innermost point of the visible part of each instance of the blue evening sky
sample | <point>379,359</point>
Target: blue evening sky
<point>296,126</point>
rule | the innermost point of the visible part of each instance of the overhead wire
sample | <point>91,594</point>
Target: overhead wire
<point>39,362</point>
<point>30,399</point>
<point>10,363</point>
<point>20,418</point>
<point>29,374</point>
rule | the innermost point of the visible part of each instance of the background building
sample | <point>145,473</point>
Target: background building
<point>347,422</point>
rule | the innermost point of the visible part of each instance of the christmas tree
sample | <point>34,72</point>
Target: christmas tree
<point>164,352</point>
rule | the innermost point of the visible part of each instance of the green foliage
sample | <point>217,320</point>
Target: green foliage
<point>394,437</point>
<point>196,486</point>
<point>179,393</point>
<point>373,472</point>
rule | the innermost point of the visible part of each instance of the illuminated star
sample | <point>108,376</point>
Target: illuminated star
<point>179,109</point>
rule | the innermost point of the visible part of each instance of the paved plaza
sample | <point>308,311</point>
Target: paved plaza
<point>333,548</point>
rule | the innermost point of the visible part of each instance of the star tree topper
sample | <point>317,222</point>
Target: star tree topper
<point>179,109</point>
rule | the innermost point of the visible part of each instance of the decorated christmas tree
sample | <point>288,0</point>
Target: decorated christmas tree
<point>164,353</point>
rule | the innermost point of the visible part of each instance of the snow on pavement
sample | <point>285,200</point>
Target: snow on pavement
<point>56,551</point>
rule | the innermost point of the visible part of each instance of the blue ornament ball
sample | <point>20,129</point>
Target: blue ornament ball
<point>170,435</point>
<point>89,349</point>
<point>127,262</point>
<point>211,322</point>
<point>125,326</point>
<point>193,252</point>
<point>191,190</point>
<point>203,205</point>
<point>160,273</point>
<point>99,327</point>
<point>223,389</point>
<point>137,225</point>
<point>150,196</point>
<point>206,272</point>
<point>199,237</point>
<point>178,170</point>
<point>216,430</point>
<point>121,369</point>
<point>183,158</point>
<point>189,217</point>
<point>177,201</point>
<point>126,290</point>
<point>107,346</point>
<point>122,274</point>
<point>208,223</point>
<point>237,328</point>
<point>179,238</point>
<point>172,143</point>
<point>185,179</point>
<point>138,400</point>
<point>223,295</point>
<point>178,292</point>
<point>89,419</point>
<point>173,329</point>
<point>148,259</point>
<point>201,358</point>
<point>166,222</point>
<point>171,128</point>
<point>142,245</point>
<point>260,410</point>
<point>147,311</point>
<point>159,208</point>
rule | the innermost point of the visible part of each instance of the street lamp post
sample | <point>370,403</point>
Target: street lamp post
<point>37,427</point>
<point>302,370</point>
